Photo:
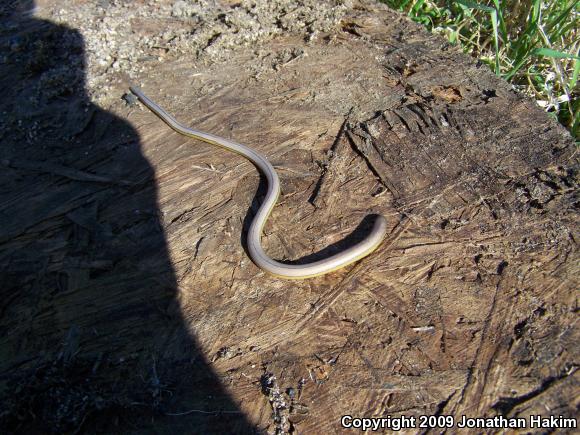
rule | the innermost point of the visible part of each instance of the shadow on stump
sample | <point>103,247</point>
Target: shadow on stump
<point>92,334</point>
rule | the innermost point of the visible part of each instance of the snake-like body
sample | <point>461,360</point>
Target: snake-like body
<point>257,254</point>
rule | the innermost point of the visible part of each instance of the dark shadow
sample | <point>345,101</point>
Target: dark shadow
<point>92,340</point>
<point>362,230</point>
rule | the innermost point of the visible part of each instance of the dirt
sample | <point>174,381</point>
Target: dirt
<point>134,38</point>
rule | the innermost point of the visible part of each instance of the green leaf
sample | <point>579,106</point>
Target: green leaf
<point>553,53</point>
<point>417,7</point>
<point>453,37</point>
<point>536,10</point>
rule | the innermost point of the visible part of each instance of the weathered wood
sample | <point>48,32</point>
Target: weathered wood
<point>132,260</point>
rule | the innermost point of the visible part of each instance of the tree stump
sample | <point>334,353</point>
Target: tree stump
<point>129,301</point>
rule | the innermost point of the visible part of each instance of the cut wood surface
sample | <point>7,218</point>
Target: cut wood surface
<point>126,275</point>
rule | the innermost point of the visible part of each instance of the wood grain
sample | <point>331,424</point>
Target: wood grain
<point>468,308</point>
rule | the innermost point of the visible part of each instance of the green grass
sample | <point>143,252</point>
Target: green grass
<point>533,44</point>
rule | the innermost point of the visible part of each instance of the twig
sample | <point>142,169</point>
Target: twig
<point>199,411</point>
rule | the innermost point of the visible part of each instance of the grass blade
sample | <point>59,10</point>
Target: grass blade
<point>495,40</point>
<point>502,26</point>
<point>553,53</point>
<point>560,18</point>
<point>533,43</point>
